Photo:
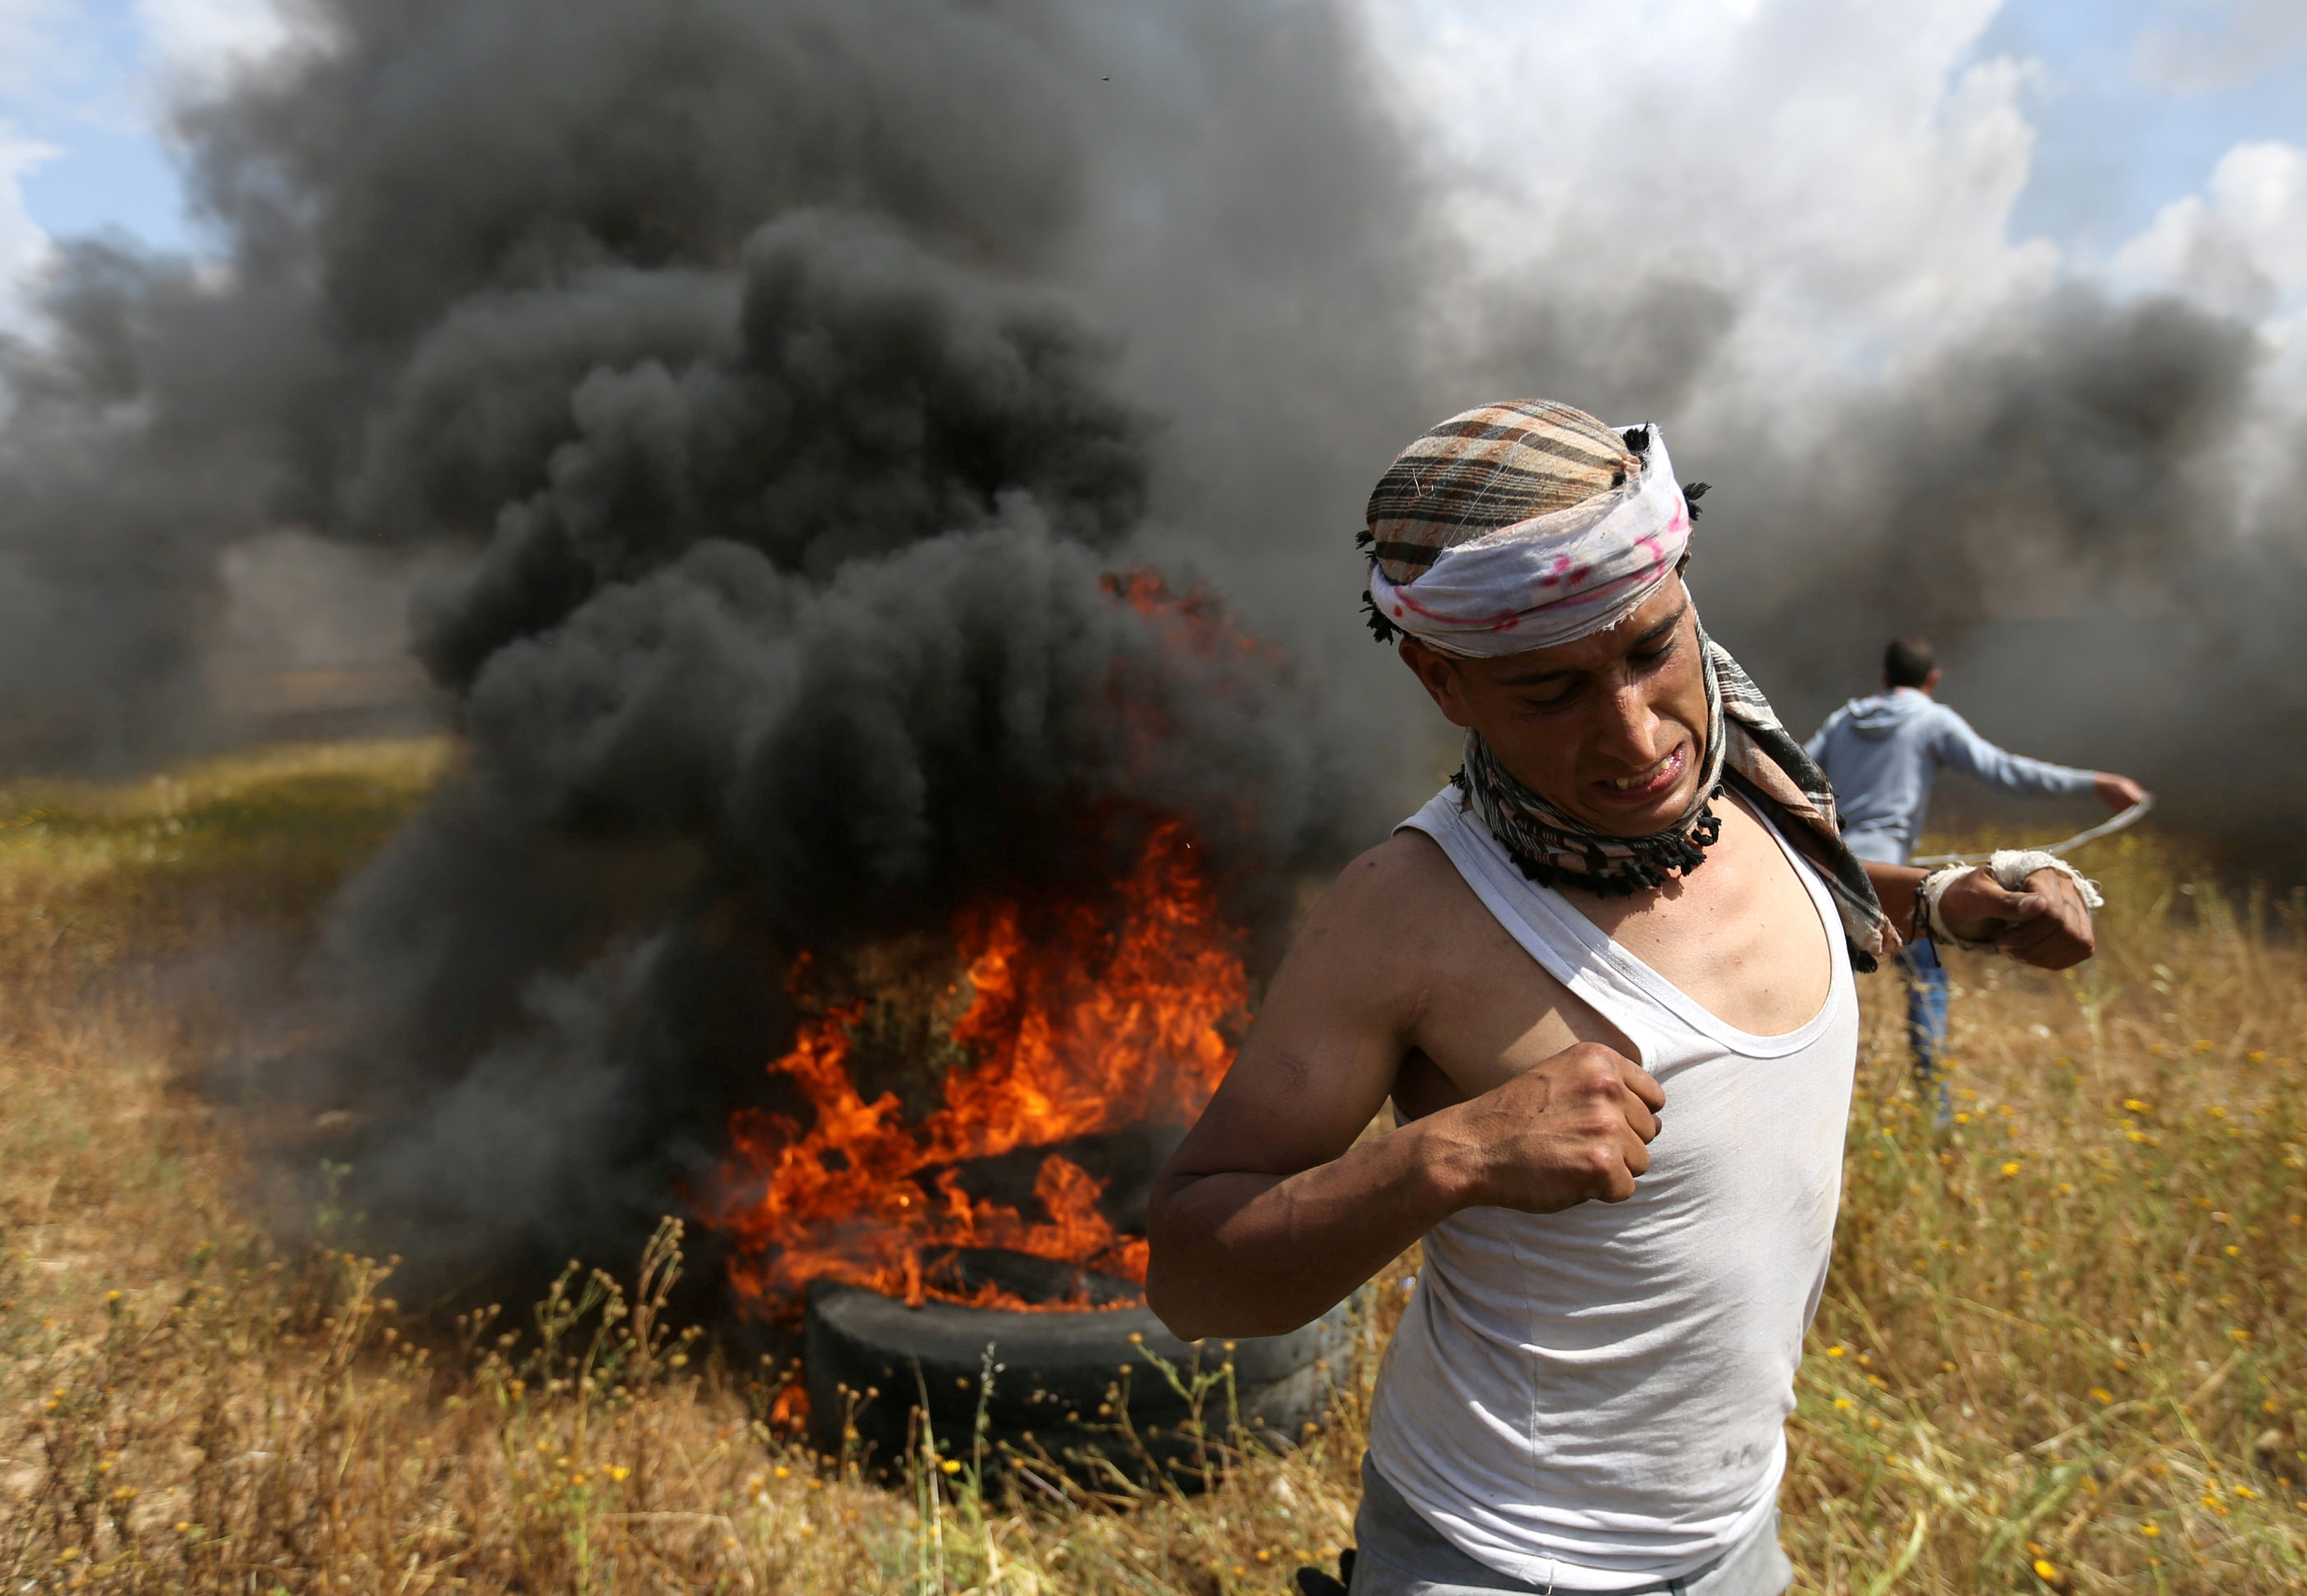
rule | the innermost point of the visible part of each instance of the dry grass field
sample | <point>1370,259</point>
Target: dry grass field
<point>2059,1347</point>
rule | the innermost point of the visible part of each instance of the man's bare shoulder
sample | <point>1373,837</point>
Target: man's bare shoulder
<point>1407,873</point>
<point>1402,945</point>
<point>1391,919</point>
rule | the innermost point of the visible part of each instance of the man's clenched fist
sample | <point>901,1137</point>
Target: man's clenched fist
<point>2048,926</point>
<point>1576,1125</point>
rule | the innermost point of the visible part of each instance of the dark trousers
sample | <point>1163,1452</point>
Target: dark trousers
<point>1400,1554</point>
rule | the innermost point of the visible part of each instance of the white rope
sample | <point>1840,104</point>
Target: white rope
<point>2104,829</point>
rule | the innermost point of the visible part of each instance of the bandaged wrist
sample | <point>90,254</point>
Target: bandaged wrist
<point>1927,895</point>
<point>2012,866</point>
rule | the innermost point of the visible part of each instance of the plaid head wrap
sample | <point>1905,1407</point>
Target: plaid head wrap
<point>1521,526</point>
<point>1486,501</point>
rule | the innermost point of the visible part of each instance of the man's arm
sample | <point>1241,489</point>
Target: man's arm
<point>1268,1212</point>
<point>2048,926</point>
<point>1959,746</point>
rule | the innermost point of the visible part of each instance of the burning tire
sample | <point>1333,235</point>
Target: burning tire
<point>1072,1386</point>
<point>972,1126</point>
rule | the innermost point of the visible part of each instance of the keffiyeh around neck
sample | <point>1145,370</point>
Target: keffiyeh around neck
<point>1746,745</point>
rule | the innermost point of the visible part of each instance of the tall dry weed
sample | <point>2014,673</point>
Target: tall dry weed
<point>2061,1342</point>
<point>2057,1348</point>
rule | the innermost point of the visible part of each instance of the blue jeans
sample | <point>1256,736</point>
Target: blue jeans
<point>1926,1021</point>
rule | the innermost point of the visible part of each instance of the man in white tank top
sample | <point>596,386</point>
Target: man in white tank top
<point>1621,1079</point>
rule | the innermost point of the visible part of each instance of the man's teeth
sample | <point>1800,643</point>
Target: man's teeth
<point>1628,783</point>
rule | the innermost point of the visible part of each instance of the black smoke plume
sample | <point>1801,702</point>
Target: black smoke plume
<point>754,352</point>
<point>806,644</point>
<point>790,374</point>
<point>2065,502</point>
<point>2067,499</point>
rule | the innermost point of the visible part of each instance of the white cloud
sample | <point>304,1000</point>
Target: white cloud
<point>2242,246</point>
<point>2227,44</point>
<point>33,45</point>
<point>196,43</point>
<point>1843,170</point>
<point>24,247</point>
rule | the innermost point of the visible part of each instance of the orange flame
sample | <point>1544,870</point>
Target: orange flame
<point>1117,1020</point>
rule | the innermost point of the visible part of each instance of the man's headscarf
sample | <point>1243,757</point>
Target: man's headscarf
<point>1521,526</point>
<point>1530,524</point>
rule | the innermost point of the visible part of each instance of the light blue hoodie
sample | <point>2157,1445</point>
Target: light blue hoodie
<point>1882,754</point>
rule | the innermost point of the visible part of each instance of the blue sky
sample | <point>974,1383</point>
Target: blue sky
<point>88,84</point>
<point>2135,100</point>
<point>2133,103</point>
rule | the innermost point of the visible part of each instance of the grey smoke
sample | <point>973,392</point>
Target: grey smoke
<point>2060,500</point>
<point>2060,503</point>
<point>872,400</point>
<point>443,224</point>
<point>794,374</point>
<point>2062,454</point>
<point>788,764</point>
<point>790,374</point>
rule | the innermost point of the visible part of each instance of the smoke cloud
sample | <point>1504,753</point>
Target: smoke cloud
<point>2081,476</point>
<point>791,378</point>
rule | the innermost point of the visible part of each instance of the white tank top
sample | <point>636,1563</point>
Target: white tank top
<point>1595,1399</point>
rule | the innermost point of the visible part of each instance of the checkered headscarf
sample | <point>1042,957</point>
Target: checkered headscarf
<point>1520,526</point>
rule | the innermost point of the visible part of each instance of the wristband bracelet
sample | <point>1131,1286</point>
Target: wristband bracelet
<point>2012,866</point>
<point>1926,908</point>
<point>2009,867</point>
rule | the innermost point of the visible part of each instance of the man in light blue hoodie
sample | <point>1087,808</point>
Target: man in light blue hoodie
<point>1881,753</point>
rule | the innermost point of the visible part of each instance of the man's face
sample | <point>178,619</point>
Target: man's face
<point>1610,729</point>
